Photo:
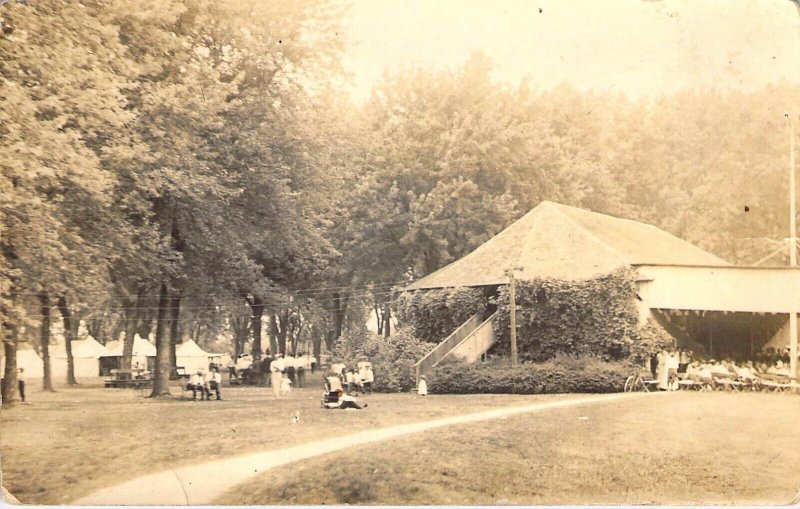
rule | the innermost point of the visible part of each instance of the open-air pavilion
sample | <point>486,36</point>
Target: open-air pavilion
<point>704,302</point>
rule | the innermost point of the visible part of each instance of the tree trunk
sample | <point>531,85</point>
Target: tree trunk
<point>273,333</point>
<point>339,312</point>
<point>316,338</point>
<point>10,337</point>
<point>256,311</point>
<point>283,330</point>
<point>69,331</point>
<point>174,336</point>
<point>131,323</point>
<point>161,375</point>
<point>387,320</point>
<point>241,330</point>
<point>44,339</point>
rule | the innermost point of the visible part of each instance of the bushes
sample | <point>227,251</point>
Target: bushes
<point>392,358</point>
<point>560,375</point>
<point>434,314</point>
<point>596,317</point>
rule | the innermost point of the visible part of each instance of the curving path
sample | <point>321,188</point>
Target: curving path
<point>201,484</point>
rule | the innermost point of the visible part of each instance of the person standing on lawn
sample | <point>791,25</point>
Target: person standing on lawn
<point>369,377</point>
<point>21,384</point>
<point>276,368</point>
<point>422,387</point>
<point>300,369</point>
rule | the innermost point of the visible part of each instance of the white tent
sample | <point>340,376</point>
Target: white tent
<point>86,355</point>
<point>189,355</point>
<point>30,361</point>
<point>142,349</point>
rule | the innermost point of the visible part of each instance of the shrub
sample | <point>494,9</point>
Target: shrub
<point>434,314</point>
<point>593,317</point>
<point>392,358</point>
<point>562,374</point>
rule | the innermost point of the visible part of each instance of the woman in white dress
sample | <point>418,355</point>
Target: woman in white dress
<point>662,371</point>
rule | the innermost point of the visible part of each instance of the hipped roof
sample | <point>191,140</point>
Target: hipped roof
<point>141,348</point>
<point>190,349</point>
<point>88,348</point>
<point>562,242</point>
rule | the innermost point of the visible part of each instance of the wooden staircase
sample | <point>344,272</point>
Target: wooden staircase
<point>469,341</point>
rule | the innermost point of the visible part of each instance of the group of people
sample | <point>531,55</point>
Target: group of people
<point>206,383</point>
<point>671,365</point>
<point>292,370</point>
<point>358,377</point>
<point>344,382</point>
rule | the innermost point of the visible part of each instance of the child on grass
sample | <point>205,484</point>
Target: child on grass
<point>422,387</point>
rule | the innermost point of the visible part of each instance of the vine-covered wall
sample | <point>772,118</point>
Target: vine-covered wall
<point>588,317</point>
<point>434,314</point>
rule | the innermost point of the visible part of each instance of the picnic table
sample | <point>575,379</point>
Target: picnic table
<point>129,379</point>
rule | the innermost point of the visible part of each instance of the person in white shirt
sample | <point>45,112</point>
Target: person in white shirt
<point>21,383</point>
<point>338,368</point>
<point>358,384</point>
<point>213,382</point>
<point>276,368</point>
<point>368,379</point>
<point>349,378</point>
<point>300,369</point>
<point>662,371</point>
<point>197,383</point>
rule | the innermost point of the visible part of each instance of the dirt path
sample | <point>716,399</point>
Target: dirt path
<point>203,483</point>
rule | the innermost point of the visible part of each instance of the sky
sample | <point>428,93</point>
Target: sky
<point>642,48</point>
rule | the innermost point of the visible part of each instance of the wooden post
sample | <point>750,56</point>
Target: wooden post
<point>792,245</point>
<point>513,313</point>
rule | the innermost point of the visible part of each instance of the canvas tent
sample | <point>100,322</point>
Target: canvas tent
<point>86,355</point>
<point>144,354</point>
<point>29,360</point>
<point>189,355</point>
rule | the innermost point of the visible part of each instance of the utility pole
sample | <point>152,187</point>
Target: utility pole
<point>792,244</point>
<point>513,313</point>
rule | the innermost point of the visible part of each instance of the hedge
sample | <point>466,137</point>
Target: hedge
<point>563,374</point>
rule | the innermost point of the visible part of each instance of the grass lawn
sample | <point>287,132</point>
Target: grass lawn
<point>65,445</point>
<point>683,448</point>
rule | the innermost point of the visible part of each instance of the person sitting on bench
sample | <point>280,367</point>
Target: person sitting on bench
<point>213,382</point>
<point>197,383</point>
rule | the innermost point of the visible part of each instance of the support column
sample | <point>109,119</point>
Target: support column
<point>793,344</point>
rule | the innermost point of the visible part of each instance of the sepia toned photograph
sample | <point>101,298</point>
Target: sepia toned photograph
<point>399,252</point>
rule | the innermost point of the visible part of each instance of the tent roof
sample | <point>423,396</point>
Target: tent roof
<point>141,348</point>
<point>562,242</point>
<point>88,348</point>
<point>190,349</point>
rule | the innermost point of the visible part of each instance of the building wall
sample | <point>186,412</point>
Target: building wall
<point>744,289</point>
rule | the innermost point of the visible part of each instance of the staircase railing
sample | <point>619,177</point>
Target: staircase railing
<point>465,329</point>
<point>478,342</point>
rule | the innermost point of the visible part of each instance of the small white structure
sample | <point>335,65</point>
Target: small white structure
<point>30,361</point>
<point>142,351</point>
<point>189,355</point>
<point>86,355</point>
